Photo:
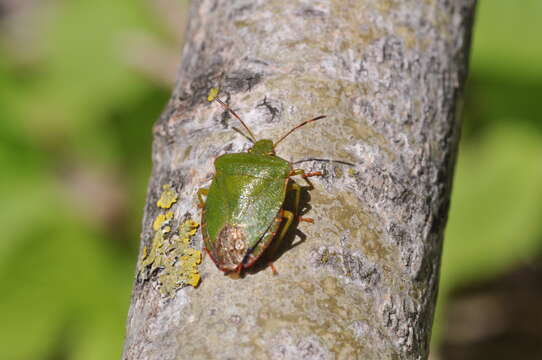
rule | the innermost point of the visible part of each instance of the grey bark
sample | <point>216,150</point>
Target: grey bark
<point>363,283</point>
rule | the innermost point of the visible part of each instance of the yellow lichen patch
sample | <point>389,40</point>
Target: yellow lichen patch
<point>145,253</point>
<point>161,219</point>
<point>213,93</point>
<point>188,229</point>
<point>148,258</point>
<point>172,257</point>
<point>143,257</point>
<point>167,198</point>
<point>189,261</point>
<point>194,280</point>
<point>190,257</point>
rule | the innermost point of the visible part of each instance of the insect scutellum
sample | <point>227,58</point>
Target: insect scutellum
<point>264,146</point>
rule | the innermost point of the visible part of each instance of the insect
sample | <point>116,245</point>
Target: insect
<point>244,206</point>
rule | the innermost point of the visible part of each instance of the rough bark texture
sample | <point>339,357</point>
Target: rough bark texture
<point>363,283</point>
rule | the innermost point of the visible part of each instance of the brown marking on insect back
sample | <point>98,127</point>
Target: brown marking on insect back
<point>230,247</point>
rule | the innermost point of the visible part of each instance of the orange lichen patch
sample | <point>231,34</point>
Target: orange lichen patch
<point>167,198</point>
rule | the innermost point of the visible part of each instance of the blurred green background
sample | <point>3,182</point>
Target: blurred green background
<point>81,83</point>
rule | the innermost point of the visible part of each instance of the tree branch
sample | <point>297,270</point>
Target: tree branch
<point>363,283</point>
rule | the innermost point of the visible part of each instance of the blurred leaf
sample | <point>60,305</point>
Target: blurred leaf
<point>495,99</point>
<point>61,279</point>
<point>81,75</point>
<point>496,205</point>
<point>66,280</point>
<point>507,39</point>
<point>495,212</point>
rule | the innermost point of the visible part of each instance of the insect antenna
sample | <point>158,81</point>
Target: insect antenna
<point>297,127</point>
<point>325,160</point>
<point>230,110</point>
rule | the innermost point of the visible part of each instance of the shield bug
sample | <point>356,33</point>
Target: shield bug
<point>243,210</point>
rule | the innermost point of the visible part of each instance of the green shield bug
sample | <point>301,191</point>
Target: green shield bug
<point>243,209</point>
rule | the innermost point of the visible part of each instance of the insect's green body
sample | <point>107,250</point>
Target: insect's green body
<point>242,210</point>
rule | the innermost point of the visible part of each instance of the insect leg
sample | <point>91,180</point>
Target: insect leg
<point>289,216</point>
<point>295,187</point>
<point>305,176</point>
<point>297,198</point>
<point>202,192</point>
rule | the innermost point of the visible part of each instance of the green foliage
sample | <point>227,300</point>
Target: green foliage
<point>494,221</point>
<point>496,205</point>
<point>507,40</point>
<point>75,131</point>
